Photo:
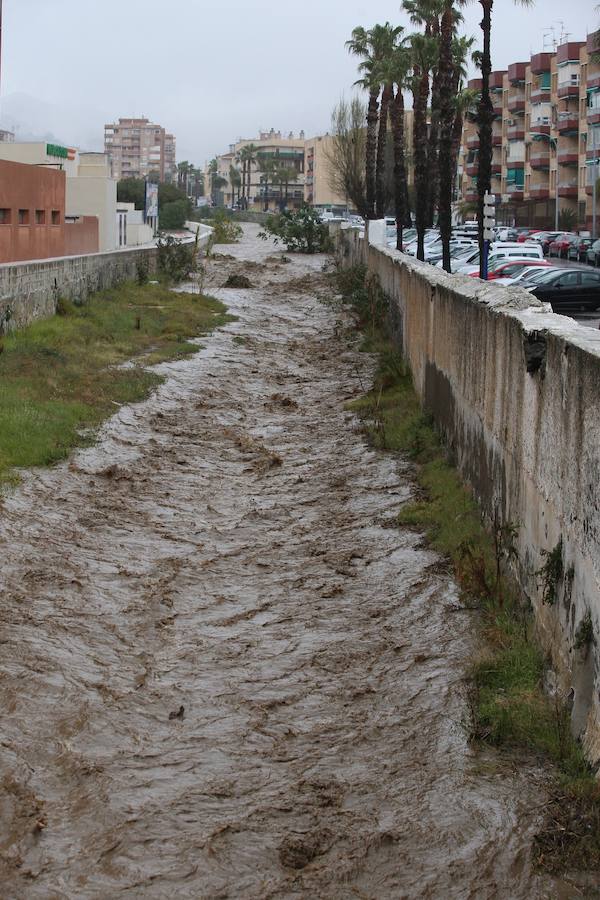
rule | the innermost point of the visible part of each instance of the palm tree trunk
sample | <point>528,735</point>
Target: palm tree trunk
<point>397,116</point>
<point>485,118</point>
<point>433,148</point>
<point>386,96</point>
<point>457,129</point>
<point>371,150</point>
<point>446,113</point>
<point>420,98</point>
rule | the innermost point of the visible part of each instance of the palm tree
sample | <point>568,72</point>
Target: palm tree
<point>235,179</point>
<point>183,170</point>
<point>447,76</point>
<point>247,156</point>
<point>393,74</point>
<point>268,167</point>
<point>485,117</point>
<point>424,54</point>
<point>372,45</point>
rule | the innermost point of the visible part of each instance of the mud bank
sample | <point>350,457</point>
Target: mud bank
<point>225,673</point>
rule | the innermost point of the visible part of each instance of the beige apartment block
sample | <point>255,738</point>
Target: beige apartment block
<point>546,139</point>
<point>137,147</point>
<point>308,158</point>
<point>261,193</point>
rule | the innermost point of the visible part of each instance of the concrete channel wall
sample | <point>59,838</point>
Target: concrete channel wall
<point>515,391</point>
<point>30,290</point>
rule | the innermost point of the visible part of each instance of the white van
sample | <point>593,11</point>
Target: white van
<point>520,252</point>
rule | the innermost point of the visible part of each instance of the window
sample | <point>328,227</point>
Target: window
<point>56,217</point>
<point>23,217</point>
<point>569,280</point>
<point>40,217</point>
<point>5,216</point>
<point>590,279</point>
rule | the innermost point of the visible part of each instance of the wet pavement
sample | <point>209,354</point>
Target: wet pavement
<point>224,673</point>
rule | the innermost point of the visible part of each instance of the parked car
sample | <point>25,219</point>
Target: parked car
<point>578,249</point>
<point>529,273</point>
<point>545,238</point>
<point>514,268</point>
<point>561,243</point>
<point>525,235</point>
<point>519,252</point>
<point>593,254</point>
<point>568,289</point>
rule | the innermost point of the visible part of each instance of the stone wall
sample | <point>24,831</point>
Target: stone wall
<point>30,290</point>
<point>515,391</point>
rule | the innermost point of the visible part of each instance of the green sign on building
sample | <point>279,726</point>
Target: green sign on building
<point>55,150</point>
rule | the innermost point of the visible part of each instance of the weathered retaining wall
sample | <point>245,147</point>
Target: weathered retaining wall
<point>30,290</point>
<point>515,390</point>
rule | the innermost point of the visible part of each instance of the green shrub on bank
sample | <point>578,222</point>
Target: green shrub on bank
<point>59,377</point>
<point>301,231</point>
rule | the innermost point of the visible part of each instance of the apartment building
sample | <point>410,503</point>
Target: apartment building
<point>261,193</point>
<point>546,139</point>
<point>307,158</point>
<point>138,148</point>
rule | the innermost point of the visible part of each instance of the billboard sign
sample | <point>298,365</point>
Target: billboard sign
<point>151,201</point>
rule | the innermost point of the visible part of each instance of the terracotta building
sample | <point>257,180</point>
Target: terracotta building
<point>32,216</point>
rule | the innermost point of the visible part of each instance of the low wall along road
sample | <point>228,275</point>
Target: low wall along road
<point>515,390</point>
<point>30,290</point>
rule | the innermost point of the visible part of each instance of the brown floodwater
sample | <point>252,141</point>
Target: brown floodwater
<point>224,672</point>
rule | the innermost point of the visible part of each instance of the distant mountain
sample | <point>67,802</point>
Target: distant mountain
<point>37,120</point>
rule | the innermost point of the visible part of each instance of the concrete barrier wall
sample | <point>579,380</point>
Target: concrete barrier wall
<point>515,391</point>
<point>30,290</point>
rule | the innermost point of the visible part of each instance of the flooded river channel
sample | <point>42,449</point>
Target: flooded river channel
<point>224,673</point>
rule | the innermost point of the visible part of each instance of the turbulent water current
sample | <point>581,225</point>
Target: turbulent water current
<point>224,672</point>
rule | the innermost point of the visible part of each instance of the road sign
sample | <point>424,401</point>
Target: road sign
<point>489,216</point>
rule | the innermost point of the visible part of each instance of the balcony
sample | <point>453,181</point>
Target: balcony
<point>516,72</point>
<point>475,84</point>
<point>473,142</point>
<point>516,103</point>
<point>568,189</point>
<point>515,191</point>
<point>470,196</point>
<point>498,109</point>
<point>569,52</point>
<point>540,128</point>
<point>593,42</point>
<point>540,160</point>
<point>568,123</point>
<point>569,90</point>
<point>497,80</point>
<point>593,155</point>
<point>593,116</point>
<point>541,95</point>
<point>593,82</point>
<point>496,140</point>
<point>496,168</point>
<point>516,133</point>
<point>540,63</point>
<point>568,158</point>
<point>472,169</point>
<point>539,192</point>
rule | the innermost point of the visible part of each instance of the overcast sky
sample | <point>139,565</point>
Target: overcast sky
<point>213,71</point>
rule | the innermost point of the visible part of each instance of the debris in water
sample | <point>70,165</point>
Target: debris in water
<point>179,714</point>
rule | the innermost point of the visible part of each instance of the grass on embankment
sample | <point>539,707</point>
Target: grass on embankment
<point>509,707</point>
<point>61,376</point>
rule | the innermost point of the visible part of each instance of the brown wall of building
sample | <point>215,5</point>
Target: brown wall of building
<point>81,236</point>
<point>32,212</point>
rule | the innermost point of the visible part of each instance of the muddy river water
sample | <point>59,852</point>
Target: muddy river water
<point>223,672</point>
